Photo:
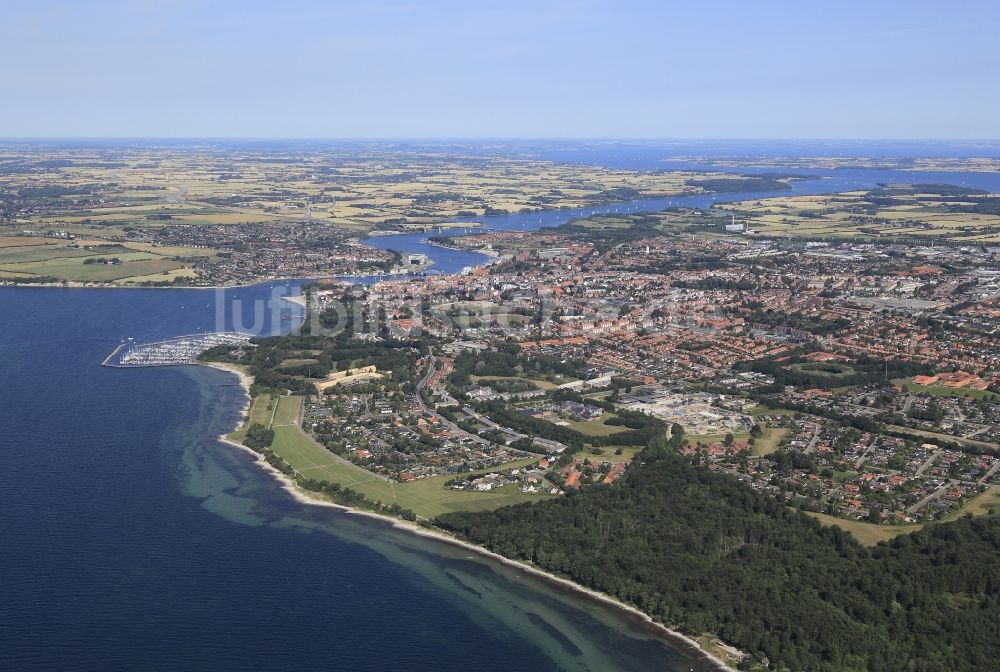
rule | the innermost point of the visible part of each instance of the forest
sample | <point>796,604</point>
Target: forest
<point>705,553</point>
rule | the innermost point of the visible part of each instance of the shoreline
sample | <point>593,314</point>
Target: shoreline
<point>298,300</point>
<point>253,283</point>
<point>88,285</point>
<point>492,254</point>
<point>305,497</point>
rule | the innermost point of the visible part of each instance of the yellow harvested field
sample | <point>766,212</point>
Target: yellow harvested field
<point>162,276</point>
<point>26,241</point>
<point>893,213</point>
<point>349,377</point>
<point>170,251</point>
<point>868,534</point>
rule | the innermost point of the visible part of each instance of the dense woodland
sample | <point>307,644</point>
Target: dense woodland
<point>704,552</point>
<point>804,373</point>
<point>508,360</point>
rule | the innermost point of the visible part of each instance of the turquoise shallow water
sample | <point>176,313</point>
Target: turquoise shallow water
<point>132,539</point>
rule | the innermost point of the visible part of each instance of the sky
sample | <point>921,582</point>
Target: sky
<point>511,69</point>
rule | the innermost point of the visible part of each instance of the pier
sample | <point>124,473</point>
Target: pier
<point>178,351</point>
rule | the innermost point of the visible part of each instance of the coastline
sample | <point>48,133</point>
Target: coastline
<point>493,254</point>
<point>305,497</point>
<point>108,285</point>
<point>298,299</point>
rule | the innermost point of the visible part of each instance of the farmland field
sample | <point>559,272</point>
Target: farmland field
<point>135,264</point>
<point>893,213</point>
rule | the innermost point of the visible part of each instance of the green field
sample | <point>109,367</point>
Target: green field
<point>291,363</point>
<point>768,441</point>
<point>980,505</point>
<point>718,437</point>
<point>39,253</point>
<point>942,391</point>
<point>427,497</point>
<point>824,369</point>
<point>868,534</point>
<point>134,264</point>
<point>45,258</point>
<point>945,437</point>
<point>261,409</point>
<point>287,412</point>
<point>608,454</point>
<point>541,383</point>
<point>595,427</point>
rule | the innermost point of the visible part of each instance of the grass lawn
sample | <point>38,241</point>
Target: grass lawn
<point>708,439</point>
<point>261,409</point>
<point>982,504</point>
<point>768,441</point>
<point>608,454</point>
<point>595,427</point>
<point>541,383</point>
<point>291,363</point>
<point>314,461</point>
<point>287,412</point>
<point>40,253</point>
<point>427,497</point>
<point>142,262</point>
<point>944,437</point>
<point>162,276</point>
<point>172,251</point>
<point>135,264</point>
<point>868,534</point>
<point>27,241</point>
<point>942,391</point>
<point>757,411</point>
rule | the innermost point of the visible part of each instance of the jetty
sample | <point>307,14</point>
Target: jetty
<point>178,351</point>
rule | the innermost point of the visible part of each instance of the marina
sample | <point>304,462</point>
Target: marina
<point>178,351</point>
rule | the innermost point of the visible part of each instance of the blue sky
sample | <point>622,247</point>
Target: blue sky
<point>547,68</point>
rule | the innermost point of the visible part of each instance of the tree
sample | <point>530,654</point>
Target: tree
<point>258,437</point>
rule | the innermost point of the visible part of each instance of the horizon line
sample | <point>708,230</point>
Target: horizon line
<point>527,138</point>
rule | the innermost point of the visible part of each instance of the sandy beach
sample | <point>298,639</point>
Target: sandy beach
<point>311,499</point>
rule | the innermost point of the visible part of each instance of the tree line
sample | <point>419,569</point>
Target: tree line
<point>704,552</point>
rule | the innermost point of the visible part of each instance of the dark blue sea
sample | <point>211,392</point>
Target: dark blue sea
<point>131,539</point>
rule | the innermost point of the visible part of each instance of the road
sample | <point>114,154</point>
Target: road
<point>993,470</point>
<point>812,442</point>
<point>931,497</point>
<point>361,470</point>
<point>927,463</point>
<point>455,429</point>
<point>945,437</point>
<point>864,456</point>
<point>179,196</point>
